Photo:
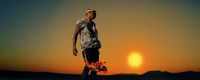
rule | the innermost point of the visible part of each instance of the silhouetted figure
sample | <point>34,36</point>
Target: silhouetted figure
<point>90,44</point>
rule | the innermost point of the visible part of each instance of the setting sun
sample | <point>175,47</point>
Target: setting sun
<point>135,59</point>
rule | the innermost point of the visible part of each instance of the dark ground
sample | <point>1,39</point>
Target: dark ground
<point>151,75</point>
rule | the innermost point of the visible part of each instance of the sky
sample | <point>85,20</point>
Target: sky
<point>36,35</point>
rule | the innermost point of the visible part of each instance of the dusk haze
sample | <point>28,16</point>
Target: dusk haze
<point>136,36</point>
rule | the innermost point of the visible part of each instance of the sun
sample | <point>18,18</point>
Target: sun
<point>135,59</point>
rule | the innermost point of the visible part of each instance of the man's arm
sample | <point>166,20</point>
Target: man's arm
<point>77,29</point>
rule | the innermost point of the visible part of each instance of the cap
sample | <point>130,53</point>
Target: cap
<point>89,10</point>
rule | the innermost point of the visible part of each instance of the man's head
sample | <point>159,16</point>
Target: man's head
<point>90,14</point>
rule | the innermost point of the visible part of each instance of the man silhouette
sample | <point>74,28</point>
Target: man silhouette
<point>90,44</point>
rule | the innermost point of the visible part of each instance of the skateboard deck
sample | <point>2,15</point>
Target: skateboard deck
<point>98,66</point>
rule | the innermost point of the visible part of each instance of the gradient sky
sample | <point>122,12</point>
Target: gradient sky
<point>36,35</point>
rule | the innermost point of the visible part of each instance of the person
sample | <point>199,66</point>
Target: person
<point>90,43</point>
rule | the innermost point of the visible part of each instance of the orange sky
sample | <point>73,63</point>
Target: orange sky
<point>37,35</point>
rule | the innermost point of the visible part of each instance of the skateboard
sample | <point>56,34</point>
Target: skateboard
<point>98,66</point>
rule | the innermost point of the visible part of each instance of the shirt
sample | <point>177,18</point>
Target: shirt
<point>88,34</point>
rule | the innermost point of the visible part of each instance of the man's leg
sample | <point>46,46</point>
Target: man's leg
<point>90,55</point>
<point>95,58</point>
<point>85,73</point>
<point>86,69</point>
<point>93,75</point>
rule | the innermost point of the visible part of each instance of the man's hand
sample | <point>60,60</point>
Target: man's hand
<point>77,30</point>
<point>75,52</point>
